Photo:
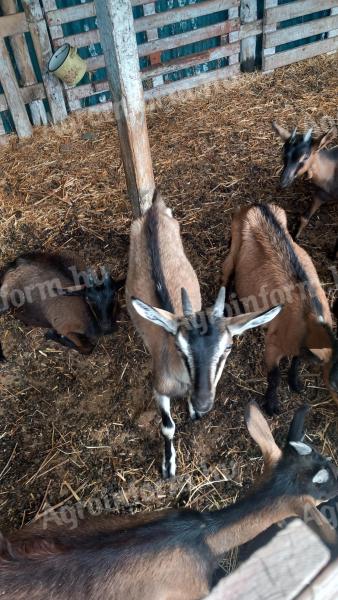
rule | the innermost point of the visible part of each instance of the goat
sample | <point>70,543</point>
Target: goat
<point>40,288</point>
<point>188,347</point>
<point>303,154</point>
<point>170,555</point>
<point>269,267</point>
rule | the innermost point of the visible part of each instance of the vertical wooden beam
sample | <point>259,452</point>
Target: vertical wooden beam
<point>233,13</point>
<point>118,40</point>
<point>12,92</point>
<point>43,50</point>
<point>24,64</point>
<point>248,12</point>
<point>152,34</point>
<point>268,29</point>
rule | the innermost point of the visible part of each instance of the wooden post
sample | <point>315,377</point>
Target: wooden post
<point>12,92</point>
<point>116,25</point>
<point>248,12</point>
<point>266,52</point>
<point>24,64</point>
<point>43,49</point>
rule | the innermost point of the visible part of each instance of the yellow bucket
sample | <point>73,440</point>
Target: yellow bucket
<point>67,65</point>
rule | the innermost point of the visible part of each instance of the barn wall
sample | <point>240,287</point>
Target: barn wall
<point>176,66</point>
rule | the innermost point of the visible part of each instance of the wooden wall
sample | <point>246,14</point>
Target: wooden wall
<point>179,46</point>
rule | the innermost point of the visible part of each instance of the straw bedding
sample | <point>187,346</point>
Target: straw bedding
<point>75,428</point>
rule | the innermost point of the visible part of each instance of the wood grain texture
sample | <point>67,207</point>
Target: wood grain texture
<point>118,41</point>
<point>278,571</point>
<point>11,89</point>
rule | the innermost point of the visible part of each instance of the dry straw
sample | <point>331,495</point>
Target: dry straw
<point>75,427</point>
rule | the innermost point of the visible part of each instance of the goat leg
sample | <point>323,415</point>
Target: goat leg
<point>271,404</point>
<point>2,356</point>
<point>168,431</point>
<point>295,383</point>
<point>318,200</point>
<point>54,336</point>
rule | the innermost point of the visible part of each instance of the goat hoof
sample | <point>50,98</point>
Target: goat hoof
<point>167,473</point>
<point>272,408</point>
<point>296,386</point>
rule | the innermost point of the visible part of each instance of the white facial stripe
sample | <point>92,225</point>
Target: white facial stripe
<point>217,366</point>
<point>185,348</point>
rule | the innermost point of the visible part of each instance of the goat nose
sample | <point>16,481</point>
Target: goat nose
<point>203,407</point>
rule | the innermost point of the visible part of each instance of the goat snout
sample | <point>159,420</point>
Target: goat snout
<point>203,405</point>
<point>287,178</point>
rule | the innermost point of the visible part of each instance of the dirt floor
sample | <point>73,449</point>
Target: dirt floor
<point>75,428</point>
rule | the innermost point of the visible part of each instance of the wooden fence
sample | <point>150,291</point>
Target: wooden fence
<point>32,98</point>
<point>22,94</point>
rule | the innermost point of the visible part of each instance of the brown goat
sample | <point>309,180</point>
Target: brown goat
<point>189,347</point>
<point>170,555</point>
<point>305,155</point>
<point>41,289</point>
<point>269,268</point>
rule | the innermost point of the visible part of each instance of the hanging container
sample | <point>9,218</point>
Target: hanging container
<point>67,65</point>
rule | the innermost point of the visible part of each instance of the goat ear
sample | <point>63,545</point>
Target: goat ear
<point>283,133</point>
<point>157,316</point>
<point>296,429</point>
<point>237,325</point>
<point>260,431</point>
<point>327,138</point>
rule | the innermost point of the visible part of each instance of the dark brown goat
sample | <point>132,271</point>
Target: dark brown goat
<point>303,154</point>
<point>42,290</point>
<point>268,268</point>
<point>171,555</point>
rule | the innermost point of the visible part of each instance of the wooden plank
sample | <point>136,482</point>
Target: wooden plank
<point>333,32</point>
<point>175,15</point>
<point>325,586</point>
<point>87,89</point>
<point>280,59</point>
<point>248,14</point>
<point>192,82</point>
<point>140,2</point>
<point>12,24</point>
<point>299,32</point>
<point>296,9</point>
<point>54,30</point>
<point>43,51</point>
<point>95,62</point>
<point>29,94</point>
<point>79,40</point>
<point>192,60</point>
<point>190,37</point>
<point>12,92</point>
<point>71,13</point>
<point>152,34</point>
<point>279,570</point>
<point>96,108</point>
<point>125,83</point>
<point>251,29</point>
<point>24,64</point>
